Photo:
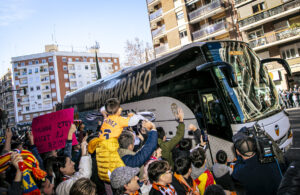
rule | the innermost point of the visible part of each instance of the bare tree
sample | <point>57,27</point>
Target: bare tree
<point>136,52</point>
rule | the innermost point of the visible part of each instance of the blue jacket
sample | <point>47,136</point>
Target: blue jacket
<point>138,159</point>
<point>257,178</point>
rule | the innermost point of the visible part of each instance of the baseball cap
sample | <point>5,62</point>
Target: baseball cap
<point>122,176</point>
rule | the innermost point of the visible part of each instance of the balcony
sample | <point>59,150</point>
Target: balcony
<point>25,102</point>
<point>210,31</point>
<point>158,31</point>
<point>44,90</point>
<point>45,80</point>
<point>269,15</point>
<point>23,84</point>
<point>161,49</point>
<point>155,14</point>
<point>275,38</point>
<point>206,11</point>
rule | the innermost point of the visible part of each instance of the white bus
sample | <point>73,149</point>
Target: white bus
<point>221,86</point>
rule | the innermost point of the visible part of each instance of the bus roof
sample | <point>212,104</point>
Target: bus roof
<point>158,61</point>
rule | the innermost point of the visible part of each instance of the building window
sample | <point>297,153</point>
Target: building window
<point>47,96</point>
<point>50,60</point>
<point>179,15</point>
<point>66,76</point>
<point>47,87</point>
<point>36,61</point>
<point>86,67</point>
<point>51,68</point>
<point>36,70</point>
<point>291,51</point>
<point>31,88</point>
<point>109,60</point>
<point>15,64</point>
<point>255,34</point>
<point>38,88</point>
<point>91,60</point>
<point>84,59</point>
<point>65,68</point>
<point>27,109</point>
<point>53,94</point>
<point>22,63</point>
<point>30,63</point>
<point>44,61</point>
<point>258,7</point>
<point>67,84</point>
<point>64,59</point>
<point>182,34</point>
<point>79,76</point>
<point>39,97</point>
<point>16,74</point>
<point>51,77</point>
<point>29,71</point>
<point>53,86</point>
<point>76,59</point>
<point>103,60</point>
<point>115,60</point>
<point>70,59</point>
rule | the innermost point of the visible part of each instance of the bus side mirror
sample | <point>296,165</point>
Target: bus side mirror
<point>280,61</point>
<point>224,67</point>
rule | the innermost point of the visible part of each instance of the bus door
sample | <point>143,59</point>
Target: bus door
<point>216,122</point>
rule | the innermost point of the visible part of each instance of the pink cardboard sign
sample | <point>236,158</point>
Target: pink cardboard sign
<point>50,131</point>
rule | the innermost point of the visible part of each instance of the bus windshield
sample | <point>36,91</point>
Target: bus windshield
<point>255,96</point>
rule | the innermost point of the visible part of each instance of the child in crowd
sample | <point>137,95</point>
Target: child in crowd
<point>222,172</point>
<point>202,176</point>
<point>106,145</point>
<point>182,180</point>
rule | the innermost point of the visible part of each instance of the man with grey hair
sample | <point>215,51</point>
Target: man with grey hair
<point>126,142</point>
<point>124,180</point>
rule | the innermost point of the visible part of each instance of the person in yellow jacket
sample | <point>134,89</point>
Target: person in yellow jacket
<point>106,145</point>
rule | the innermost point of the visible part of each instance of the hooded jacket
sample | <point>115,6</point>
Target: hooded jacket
<point>167,146</point>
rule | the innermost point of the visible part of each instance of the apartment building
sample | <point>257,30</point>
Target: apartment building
<point>50,75</point>
<point>6,99</point>
<point>175,23</point>
<point>272,29</point>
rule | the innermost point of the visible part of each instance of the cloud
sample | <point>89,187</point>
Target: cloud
<point>13,10</point>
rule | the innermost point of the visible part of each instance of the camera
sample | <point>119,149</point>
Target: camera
<point>263,145</point>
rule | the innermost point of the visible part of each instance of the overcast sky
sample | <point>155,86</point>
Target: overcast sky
<point>26,26</point>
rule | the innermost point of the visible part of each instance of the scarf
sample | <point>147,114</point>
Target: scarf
<point>165,190</point>
<point>181,180</point>
<point>30,167</point>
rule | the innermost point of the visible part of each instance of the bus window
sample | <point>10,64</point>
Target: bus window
<point>214,114</point>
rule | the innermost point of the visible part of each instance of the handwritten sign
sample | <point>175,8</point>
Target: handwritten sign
<point>50,131</point>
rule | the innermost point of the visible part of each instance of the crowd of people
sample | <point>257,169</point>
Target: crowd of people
<point>290,98</point>
<point>130,155</point>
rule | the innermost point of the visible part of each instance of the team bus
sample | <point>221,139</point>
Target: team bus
<point>221,86</point>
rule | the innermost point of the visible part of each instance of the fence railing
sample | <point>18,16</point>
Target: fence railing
<point>209,30</point>
<point>156,14</point>
<point>205,9</point>
<point>275,36</point>
<point>271,12</point>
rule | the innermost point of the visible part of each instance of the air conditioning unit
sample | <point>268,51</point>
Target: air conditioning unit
<point>153,26</point>
<point>156,41</point>
<point>151,9</point>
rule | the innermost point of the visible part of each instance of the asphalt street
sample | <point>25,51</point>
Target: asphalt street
<point>294,152</point>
